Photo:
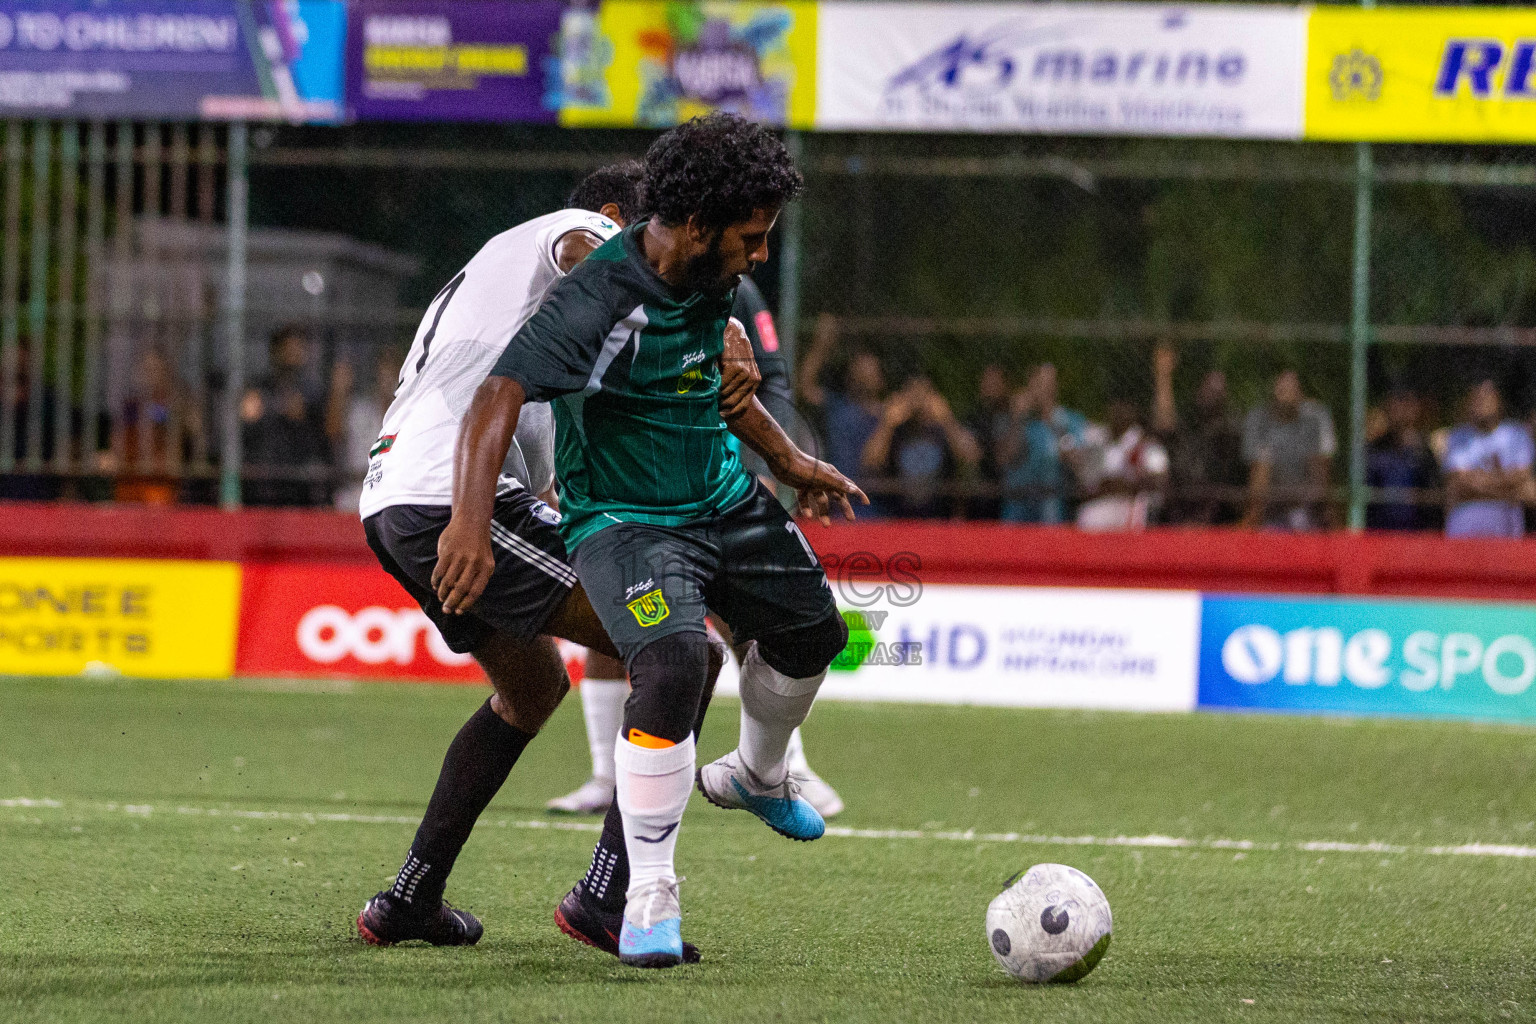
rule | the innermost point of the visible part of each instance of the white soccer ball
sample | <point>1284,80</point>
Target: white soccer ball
<point>1051,925</point>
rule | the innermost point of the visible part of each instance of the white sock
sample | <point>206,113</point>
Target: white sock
<point>795,755</point>
<point>602,703</point>
<point>653,791</point>
<point>772,706</point>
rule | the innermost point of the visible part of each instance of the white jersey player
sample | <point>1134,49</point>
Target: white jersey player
<point>467,325</point>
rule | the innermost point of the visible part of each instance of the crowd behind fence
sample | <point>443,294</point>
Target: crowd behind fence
<point>116,382</point>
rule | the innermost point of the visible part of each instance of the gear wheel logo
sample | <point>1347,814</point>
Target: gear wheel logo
<point>1355,75</point>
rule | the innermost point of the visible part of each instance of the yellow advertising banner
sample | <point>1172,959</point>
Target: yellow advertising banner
<point>656,64</point>
<point>139,617</point>
<point>1426,74</point>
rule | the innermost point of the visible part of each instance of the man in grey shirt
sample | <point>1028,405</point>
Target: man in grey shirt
<point>1289,445</point>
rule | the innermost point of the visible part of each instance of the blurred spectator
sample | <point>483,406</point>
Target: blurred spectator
<point>353,421</point>
<point>1399,460</point>
<point>1128,480</point>
<point>20,485</point>
<point>1289,445</point>
<point>1040,452</point>
<point>283,425</point>
<point>987,424</point>
<point>849,414</point>
<point>1205,452</point>
<point>155,435</point>
<point>1487,470</point>
<point>921,444</point>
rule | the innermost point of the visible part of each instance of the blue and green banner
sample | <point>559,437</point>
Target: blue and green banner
<point>173,59</point>
<point>1369,657</point>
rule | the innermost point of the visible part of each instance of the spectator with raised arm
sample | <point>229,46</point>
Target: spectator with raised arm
<point>1129,477</point>
<point>921,445</point>
<point>1205,451</point>
<point>1487,470</point>
<point>849,413</point>
<point>1289,444</point>
<point>1041,452</point>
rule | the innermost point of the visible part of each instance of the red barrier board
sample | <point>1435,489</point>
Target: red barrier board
<point>347,621</point>
<point>316,619</point>
<point>1217,561</point>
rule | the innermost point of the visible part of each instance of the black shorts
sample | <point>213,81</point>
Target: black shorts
<point>532,574</point>
<point>750,565</point>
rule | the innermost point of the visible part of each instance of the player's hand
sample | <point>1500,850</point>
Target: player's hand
<point>465,563</point>
<point>820,490</point>
<point>739,375</point>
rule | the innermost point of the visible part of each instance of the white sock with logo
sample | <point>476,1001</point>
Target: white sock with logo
<point>602,704</point>
<point>772,707</point>
<point>653,791</point>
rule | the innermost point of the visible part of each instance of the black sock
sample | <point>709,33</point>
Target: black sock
<point>477,763</point>
<point>607,878</point>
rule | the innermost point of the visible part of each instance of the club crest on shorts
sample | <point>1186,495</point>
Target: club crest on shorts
<point>649,608</point>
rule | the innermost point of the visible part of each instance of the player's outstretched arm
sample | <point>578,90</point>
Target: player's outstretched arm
<point>464,557</point>
<point>819,487</point>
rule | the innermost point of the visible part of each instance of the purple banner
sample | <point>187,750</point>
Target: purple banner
<point>451,60</point>
<point>174,59</point>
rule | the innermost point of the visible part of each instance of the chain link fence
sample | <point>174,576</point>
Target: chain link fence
<point>1167,284</point>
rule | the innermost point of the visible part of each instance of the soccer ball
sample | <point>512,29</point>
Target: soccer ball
<point>1051,925</point>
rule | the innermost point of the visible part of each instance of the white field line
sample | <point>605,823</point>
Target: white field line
<point>836,832</point>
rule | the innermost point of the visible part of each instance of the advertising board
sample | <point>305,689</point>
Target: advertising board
<point>452,60</point>
<point>1462,74</point>
<point>1369,657</point>
<point>137,617</point>
<point>1021,646</point>
<point>1136,69</point>
<point>173,59</point>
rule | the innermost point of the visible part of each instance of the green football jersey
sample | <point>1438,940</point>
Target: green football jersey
<point>631,367</point>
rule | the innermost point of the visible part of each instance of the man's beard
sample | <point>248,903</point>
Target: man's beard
<point>704,272</point>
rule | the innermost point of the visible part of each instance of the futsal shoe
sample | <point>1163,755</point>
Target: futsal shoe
<point>591,797</point>
<point>385,921</point>
<point>580,917</point>
<point>730,784</point>
<point>652,932</point>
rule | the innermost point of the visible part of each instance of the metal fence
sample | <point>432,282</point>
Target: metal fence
<point>141,277</point>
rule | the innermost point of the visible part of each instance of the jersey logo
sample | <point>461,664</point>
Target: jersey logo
<point>649,609</point>
<point>693,379</point>
<point>382,445</point>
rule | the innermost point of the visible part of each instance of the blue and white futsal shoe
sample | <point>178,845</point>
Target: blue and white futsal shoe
<point>730,784</point>
<point>652,933</point>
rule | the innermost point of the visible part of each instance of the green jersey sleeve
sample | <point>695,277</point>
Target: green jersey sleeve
<point>560,349</point>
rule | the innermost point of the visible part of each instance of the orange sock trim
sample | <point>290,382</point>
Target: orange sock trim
<point>649,742</point>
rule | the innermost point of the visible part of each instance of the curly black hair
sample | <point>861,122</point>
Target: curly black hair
<point>719,168</point>
<point>619,184</point>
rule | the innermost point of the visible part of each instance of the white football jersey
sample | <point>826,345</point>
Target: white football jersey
<point>460,338</point>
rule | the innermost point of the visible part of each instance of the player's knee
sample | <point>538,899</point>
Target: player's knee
<point>529,679</point>
<point>667,679</point>
<point>807,651</point>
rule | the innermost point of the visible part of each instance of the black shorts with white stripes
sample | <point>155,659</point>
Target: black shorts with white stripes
<point>532,575</point>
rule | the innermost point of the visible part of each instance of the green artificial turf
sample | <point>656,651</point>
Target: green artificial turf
<point>131,901</point>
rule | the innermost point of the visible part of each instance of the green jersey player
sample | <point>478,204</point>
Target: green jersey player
<point>663,520</point>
